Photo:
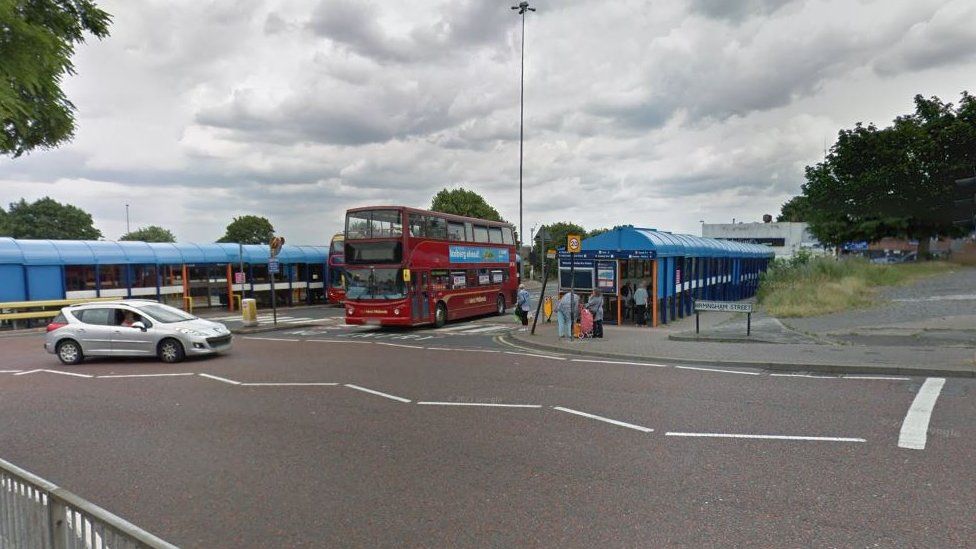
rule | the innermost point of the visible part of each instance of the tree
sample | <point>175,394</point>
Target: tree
<point>556,234</point>
<point>596,232</point>
<point>3,222</point>
<point>249,229</point>
<point>463,202</point>
<point>895,181</point>
<point>794,210</point>
<point>48,218</point>
<point>37,39</point>
<point>152,233</point>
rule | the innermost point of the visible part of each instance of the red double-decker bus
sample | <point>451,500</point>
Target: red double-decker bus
<point>407,267</point>
<point>336,288</point>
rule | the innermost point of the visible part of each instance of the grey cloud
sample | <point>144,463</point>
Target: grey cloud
<point>737,10</point>
<point>946,38</point>
<point>460,26</point>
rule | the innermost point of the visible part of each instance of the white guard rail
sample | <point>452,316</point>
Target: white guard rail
<point>37,513</point>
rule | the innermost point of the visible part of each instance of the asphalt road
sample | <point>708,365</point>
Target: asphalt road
<point>383,458</point>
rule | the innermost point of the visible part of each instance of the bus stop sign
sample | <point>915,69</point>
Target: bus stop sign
<point>573,243</point>
<point>273,266</point>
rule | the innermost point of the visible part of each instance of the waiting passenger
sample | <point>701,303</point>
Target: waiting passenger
<point>565,312</point>
<point>595,306</point>
<point>640,305</point>
<point>522,306</point>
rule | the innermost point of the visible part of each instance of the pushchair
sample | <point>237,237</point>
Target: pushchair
<point>586,324</point>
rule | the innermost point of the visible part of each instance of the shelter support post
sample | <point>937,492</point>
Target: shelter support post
<point>654,299</point>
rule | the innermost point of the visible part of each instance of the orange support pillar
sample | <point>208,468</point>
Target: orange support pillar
<point>186,284</point>
<point>654,303</point>
<point>230,288</point>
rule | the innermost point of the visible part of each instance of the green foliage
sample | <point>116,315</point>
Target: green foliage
<point>3,222</point>
<point>152,233</point>
<point>464,202</point>
<point>810,286</point>
<point>248,229</point>
<point>795,210</point>
<point>896,181</point>
<point>37,39</point>
<point>47,218</point>
<point>596,232</point>
<point>556,238</point>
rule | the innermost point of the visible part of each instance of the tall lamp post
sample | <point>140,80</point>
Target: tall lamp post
<point>522,7</point>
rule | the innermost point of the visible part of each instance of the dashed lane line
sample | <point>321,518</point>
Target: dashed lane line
<point>604,419</point>
<point>763,437</point>
<point>290,384</point>
<point>619,362</point>
<point>223,379</point>
<point>535,355</point>
<point>9,371</point>
<point>720,370</point>
<point>400,345</point>
<point>485,404</point>
<point>915,427</point>
<point>145,375</point>
<point>377,393</point>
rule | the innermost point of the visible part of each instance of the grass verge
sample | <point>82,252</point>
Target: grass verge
<point>808,286</point>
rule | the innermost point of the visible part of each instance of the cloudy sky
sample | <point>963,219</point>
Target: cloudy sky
<point>653,113</point>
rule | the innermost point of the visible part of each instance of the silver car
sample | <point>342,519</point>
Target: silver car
<point>132,328</point>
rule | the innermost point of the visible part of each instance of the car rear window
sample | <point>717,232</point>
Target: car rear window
<point>60,319</point>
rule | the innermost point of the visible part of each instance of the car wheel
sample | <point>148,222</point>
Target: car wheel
<point>440,315</point>
<point>500,305</point>
<point>69,352</point>
<point>171,351</point>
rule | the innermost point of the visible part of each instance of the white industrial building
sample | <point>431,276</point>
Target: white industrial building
<point>784,238</point>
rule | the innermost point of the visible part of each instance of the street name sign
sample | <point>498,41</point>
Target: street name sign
<point>723,306</point>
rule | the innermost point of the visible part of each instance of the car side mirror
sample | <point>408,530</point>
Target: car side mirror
<point>140,325</point>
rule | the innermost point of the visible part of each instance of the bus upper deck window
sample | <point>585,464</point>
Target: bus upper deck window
<point>495,235</point>
<point>481,233</point>
<point>455,231</point>
<point>507,236</point>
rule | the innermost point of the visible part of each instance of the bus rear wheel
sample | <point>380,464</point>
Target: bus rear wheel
<point>440,315</point>
<point>500,305</point>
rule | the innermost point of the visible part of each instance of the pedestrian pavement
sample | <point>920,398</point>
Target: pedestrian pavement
<point>655,344</point>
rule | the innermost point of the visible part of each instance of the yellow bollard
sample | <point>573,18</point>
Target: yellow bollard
<point>547,308</point>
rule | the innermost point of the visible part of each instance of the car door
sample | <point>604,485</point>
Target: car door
<point>95,330</point>
<point>128,340</point>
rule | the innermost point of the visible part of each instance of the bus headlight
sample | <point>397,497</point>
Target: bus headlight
<point>350,311</point>
<point>396,312</point>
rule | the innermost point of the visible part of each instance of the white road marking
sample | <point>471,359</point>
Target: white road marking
<point>764,437</point>
<point>225,380</point>
<point>452,328</point>
<point>494,328</point>
<point>295,320</point>
<point>145,375</point>
<point>439,349</point>
<point>620,362</point>
<point>608,420</point>
<point>486,404</point>
<point>718,370</point>
<point>24,373</point>
<point>377,393</point>
<point>478,350</point>
<point>67,373</point>
<point>534,355</point>
<point>804,375</point>
<point>914,430</point>
<point>9,371</point>
<point>297,384</point>
<point>878,377</point>
<point>271,338</point>
<point>399,345</point>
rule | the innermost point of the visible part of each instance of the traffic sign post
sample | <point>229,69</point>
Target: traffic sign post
<point>573,243</point>
<point>275,246</point>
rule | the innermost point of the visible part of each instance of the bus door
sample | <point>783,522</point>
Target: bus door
<point>420,303</point>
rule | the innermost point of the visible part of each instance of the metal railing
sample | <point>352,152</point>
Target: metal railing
<point>35,513</point>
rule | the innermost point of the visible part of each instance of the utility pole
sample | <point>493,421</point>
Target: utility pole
<point>522,7</point>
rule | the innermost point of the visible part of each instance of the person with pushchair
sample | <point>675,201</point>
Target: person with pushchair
<point>595,306</point>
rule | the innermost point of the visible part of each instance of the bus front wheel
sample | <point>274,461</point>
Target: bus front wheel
<point>440,315</point>
<point>500,305</point>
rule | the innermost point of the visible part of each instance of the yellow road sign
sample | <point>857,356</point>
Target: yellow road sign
<point>573,243</point>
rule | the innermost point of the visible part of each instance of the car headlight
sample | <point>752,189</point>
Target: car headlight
<point>188,331</point>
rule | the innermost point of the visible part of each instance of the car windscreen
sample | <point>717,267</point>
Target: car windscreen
<point>166,314</point>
